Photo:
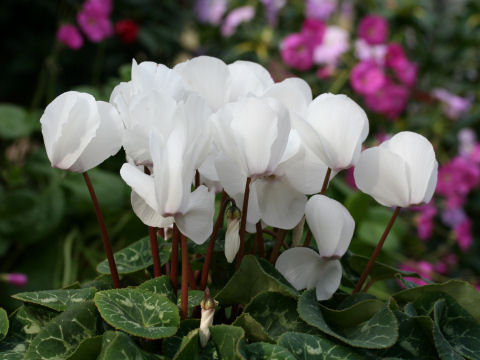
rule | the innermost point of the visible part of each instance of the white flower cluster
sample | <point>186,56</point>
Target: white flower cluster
<point>233,122</point>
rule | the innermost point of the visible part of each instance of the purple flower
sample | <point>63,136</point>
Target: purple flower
<point>390,100</point>
<point>335,43</point>
<point>456,179</point>
<point>454,106</point>
<point>16,279</point>
<point>367,77</point>
<point>373,29</point>
<point>69,35</point>
<point>296,52</point>
<point>313,32</point>
<point>408,74</point>
<point>210,11</point>
<point>453,217</point>
<point>93,19</point>
<point>395,57</point>
<point>272,8</point>
<point>424,221</point>
<point>235,18</point>
<point>463,234</point>
<point>320,9</point>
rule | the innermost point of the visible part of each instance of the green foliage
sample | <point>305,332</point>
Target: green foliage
<point>136,257</point>
<point>16,122</point>
<point>139,313</point>
<point>267,351</point>
<point>58,300</point>
<point>87,349</point>
<point>3,323</point>
<point>160,285</point>
<point>117,345</point>
<point>228,340</point>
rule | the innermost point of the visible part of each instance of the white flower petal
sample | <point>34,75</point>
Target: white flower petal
<point>280,205</point>
<point>196,222</point>
<point>383,175</point>
<point>331,224</point>
<point>107,140</point>
<point>248,78</point>
<point>146,214</point>
<point>299,266</point>
<point>418,153</point>
<point>329,280</point>
<point>209,77</point>
<point>140,183</point>
<point>294,93</point>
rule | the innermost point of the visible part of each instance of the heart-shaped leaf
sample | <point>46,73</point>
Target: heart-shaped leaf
<point>58,300</point>
<point>117,345</point>
<point>61,336</point>
<point>137,312</point>
<point>311,347</point>
<point>3,323</point>
<point>160,285</point>
<point>88,349</point>
<point>171,345</point>
<point>253,277</point>
<point>189,347</point>
<point>136,257</point>
<point>254,331</point>
<point>368,324</point>
<point>267,351</point>
<point>227,340</point>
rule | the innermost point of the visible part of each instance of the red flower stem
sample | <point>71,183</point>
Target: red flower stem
<point>184,298</point>
<point>174,262</point>
<point>243,222</point>
<point>152,232</point>
<point>191,278</point>
<point>213,239</point>
<point>374,256</point>
<point>278,244</point>
<point>259,240</point>
<point>326,179</point>
<point>197,179</point>
<point>103,230</point>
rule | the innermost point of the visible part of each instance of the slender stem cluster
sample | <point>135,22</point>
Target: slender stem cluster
<point>243,222</point>
<point>152,232</point>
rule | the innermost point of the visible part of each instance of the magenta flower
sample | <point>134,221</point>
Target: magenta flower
<point>395,57</point>
<point>325,72</point>
<point>210,11</point>
<point>313,31</point>
<point>93,19</point>
<point>296,52</point>
<point>320,9</point>
<point>373,29</point>
<point>424,221</point>
<point>390,100</point>
<point>367,77</point>
<point>456,179</point>
<point>69,35</point>
<point>422,268</point>
<point>463,234</point>
<point>236,17</point>
<point>16,279</point>
<point>101,8</point>
<point>408,74</point>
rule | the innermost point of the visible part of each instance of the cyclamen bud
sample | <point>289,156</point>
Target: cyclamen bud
<point>208,306</point>
<point>232,236</point>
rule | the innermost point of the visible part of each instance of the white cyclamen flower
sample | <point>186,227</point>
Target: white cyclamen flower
<point>232,236</point>
<point>334,130</point>
<point>402,171</point>
<point>79,132</point>
<point>331,224</point>
<point>304,268</point>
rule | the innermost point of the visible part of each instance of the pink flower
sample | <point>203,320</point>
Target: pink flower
<point>454,106</point>
<point>424,221</point>
<point>210,11</point>
<point>422,268</point>
<point>101,8</point>
<point>296,52</point>
<point>350,179</point>
<point>395,57</point>
<point>467,139</point>
<point>325,72</point>
<point>373,29</point>
<point>457,178</point>
<point>364,51</point>
<point>367,77</point>
<point>69,35</point>
<point>463,234</point>
<point>408,74</point>
<point>236,17</point>
<point>453,216</point>
<point>313,31</point>
<point>335,43</point>
<point>445,264</point>
<point>390,100</point>
<point>16,279</point>
<point>94,23</point>
<point>320,9</point>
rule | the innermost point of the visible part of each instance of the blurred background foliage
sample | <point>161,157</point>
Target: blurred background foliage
<point>48,229</point>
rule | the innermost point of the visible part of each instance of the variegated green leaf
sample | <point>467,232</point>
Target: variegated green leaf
<point>137,312</point>
<point>368,324</point>
<point>3,323</point>
<point>277,313</point>
<point>171,345</point>
<point>117,345</point>
<point>228,340</point>
<point>58,300</point>
<point>311,347</point>
<point>88,349</point>
<point>61,336</point>
<point>194,299</point>
<point>189,347</point>
<point>253,277</point>
<point>25,323</point>
<point>254,331</point>
<point>160,285</point>
<point>136,257</point>
<point>267,351</point>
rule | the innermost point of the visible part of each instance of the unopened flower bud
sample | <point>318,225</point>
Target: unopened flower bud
<point>232,236</point>
<point>208,306</point>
